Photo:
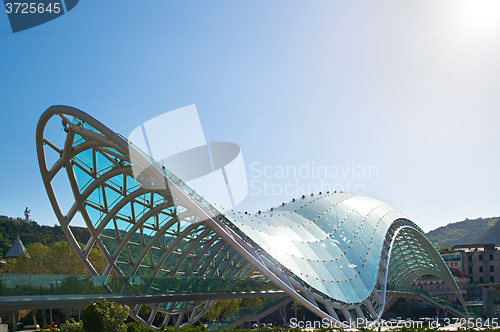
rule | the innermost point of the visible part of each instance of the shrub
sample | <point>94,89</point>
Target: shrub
<point>104,317</point>
<point>71,326</point>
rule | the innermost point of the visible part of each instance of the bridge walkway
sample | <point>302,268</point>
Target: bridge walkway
<point>59,291</point>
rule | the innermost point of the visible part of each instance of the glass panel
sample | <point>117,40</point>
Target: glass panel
<point>368,279</point>
<point>324,225</point>
<point>344,235</point>
<point>364,237</point>
<point>372,265</point>
<point>103,164</point>
<point>349,292</point>
<point>355,261</point>
<point>78,140</point>
<point>321,271</point>
<point>346,267</point>
<point>85,159</point>
<point>335,291</point>
<point>361,291</point>
<point>315,231</point>
<point>82,178</point>
<point>306,250</point>
<point>332,218</point>
<point>332,248</point>
<point>335,199</point>
<point>323,204</point>
<point>95,215</point>
<point>308,214</point>
<point>303,234</point>
<point>316,208</point>
<point>298,219</point>
<point>354,220</point>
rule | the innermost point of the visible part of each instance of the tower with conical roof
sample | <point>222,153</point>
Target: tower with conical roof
<point>17,250</point>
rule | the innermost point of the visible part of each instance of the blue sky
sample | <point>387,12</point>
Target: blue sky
<point>409,89</point>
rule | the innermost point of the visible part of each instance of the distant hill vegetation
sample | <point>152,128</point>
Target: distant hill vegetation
<point>468,231</point>
<point>10,228</point>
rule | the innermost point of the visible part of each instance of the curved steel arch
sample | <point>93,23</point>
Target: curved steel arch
<point>339,250</point>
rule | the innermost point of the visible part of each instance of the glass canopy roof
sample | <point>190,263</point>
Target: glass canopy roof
<point>332,242</point>
<point>337,246</point>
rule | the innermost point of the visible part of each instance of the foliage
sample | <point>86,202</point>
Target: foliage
<point>491,235</point>
<point>10,228</point>
<point>136,327</point>
<point>71,326</point>
<point>443,249</point>
<point>222,308</point>
<point>58,258</point>
<point>467,231</point>
<point>91,318</point>
<point>104,316</point>
<point>251,302</point>
<point>296,305</point>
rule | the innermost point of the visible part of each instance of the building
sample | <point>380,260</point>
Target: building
<point>453,259</point>
<point>17,250</point>
<point>338,254</point>
<point>491,300</point>
<point>431,284</point>
<point>481,262</point>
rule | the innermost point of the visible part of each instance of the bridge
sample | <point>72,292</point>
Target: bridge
<point>394,292</point>
<point>19,292</point>
<point>334,253</point>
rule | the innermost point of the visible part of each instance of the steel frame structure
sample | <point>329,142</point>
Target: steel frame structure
<point>155,225</point>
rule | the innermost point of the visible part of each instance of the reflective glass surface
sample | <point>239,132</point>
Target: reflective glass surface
<point>332,242</point>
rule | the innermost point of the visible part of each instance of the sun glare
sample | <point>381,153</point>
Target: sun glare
<point>283,245</point>
<point>481,16</point>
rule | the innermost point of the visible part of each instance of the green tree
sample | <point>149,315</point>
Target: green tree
<point>443,249</point>
<point>104,317</point>
<point>32,233</point>
<point>72,326</point>
<point>58,258</point>
<point>223,308</point>
<point>37,264</point>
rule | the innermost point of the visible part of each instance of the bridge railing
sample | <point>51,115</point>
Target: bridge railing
<point>31,284</point>
<point>223,323</point>
<point>414,290</point>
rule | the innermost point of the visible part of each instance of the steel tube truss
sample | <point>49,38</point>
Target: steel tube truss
<point>335,253</point>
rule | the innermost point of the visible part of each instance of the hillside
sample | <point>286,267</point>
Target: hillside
<point>32,233</point>
<point>479,230</point>
<point>491,235</point>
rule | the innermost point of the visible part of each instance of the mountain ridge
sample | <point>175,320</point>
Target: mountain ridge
<point>468,231</point>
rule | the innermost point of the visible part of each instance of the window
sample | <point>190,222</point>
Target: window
<point>471,280</point>
<point>481,279</point>
<point>480,269</point>
<point>492,279</point>
<point>470,258</point>
<point>480,257</point>
<point>492,269</point>
<point>491,257</point>
<point>470,269</point>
